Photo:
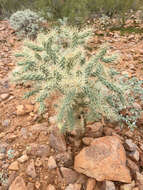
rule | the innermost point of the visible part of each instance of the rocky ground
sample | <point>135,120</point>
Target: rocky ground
<point>34,155</point>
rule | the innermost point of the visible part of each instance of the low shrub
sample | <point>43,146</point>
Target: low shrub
<point>89,89</point>
<point>26,23</point>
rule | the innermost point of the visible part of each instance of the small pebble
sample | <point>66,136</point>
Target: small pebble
<point>23,158</point>
<point>4,96</point>
<point>6,123</point>
<point>14,166</point>
<point>37,185</point>
<point>38,162</point>
<point>52,163</point>
<point>2,156</point>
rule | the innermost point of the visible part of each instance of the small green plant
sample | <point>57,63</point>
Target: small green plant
<point>26,23</point>
<point>88,88</point>
<point>10,154</point>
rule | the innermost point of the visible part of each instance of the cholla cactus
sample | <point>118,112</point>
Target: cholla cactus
<point>58,61</point>
<point>26,22</point>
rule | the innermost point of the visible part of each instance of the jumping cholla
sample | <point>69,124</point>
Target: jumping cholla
<point>89,89</point>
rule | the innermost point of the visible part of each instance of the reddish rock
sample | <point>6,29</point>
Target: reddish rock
<point>87,140</point>
<point>127,186</point>
<point>38,162</point>
<point>95,130</point>
<point>24,109</point>
<point>18,184</point>
<point>50,187</point>
<point>23,158</point>
<point>108,131</point>
<point>140,187</point>
<point>132,165</point>
<point>37,185</point>
<point>28,108</point>
<point>69,175</point>
<point>129,133</point>
<point>105,159</point>
<point>97,188</point>
<point>136,188</point>
<point>77,143</point>
<point>4,96</point>
<point>38,150</point>
<point>108,185</point>
<point>134,155</point>
<point>2,156</point>
<point>141,159</point>
<point>11,177</point>
<point>129,145</point>
<point>30,186</point>
<point>20,110</point>
<point>90,184</point>
<point>73,187</point>
<point>57,140</point>
<point>64,159</point>
<point>141,147</point>
<point>39,127</point>
<point>14,166</point>
<point>139,178</point>
<point>31,169</point>
<point>51,163</point>
<point>82,179</point>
